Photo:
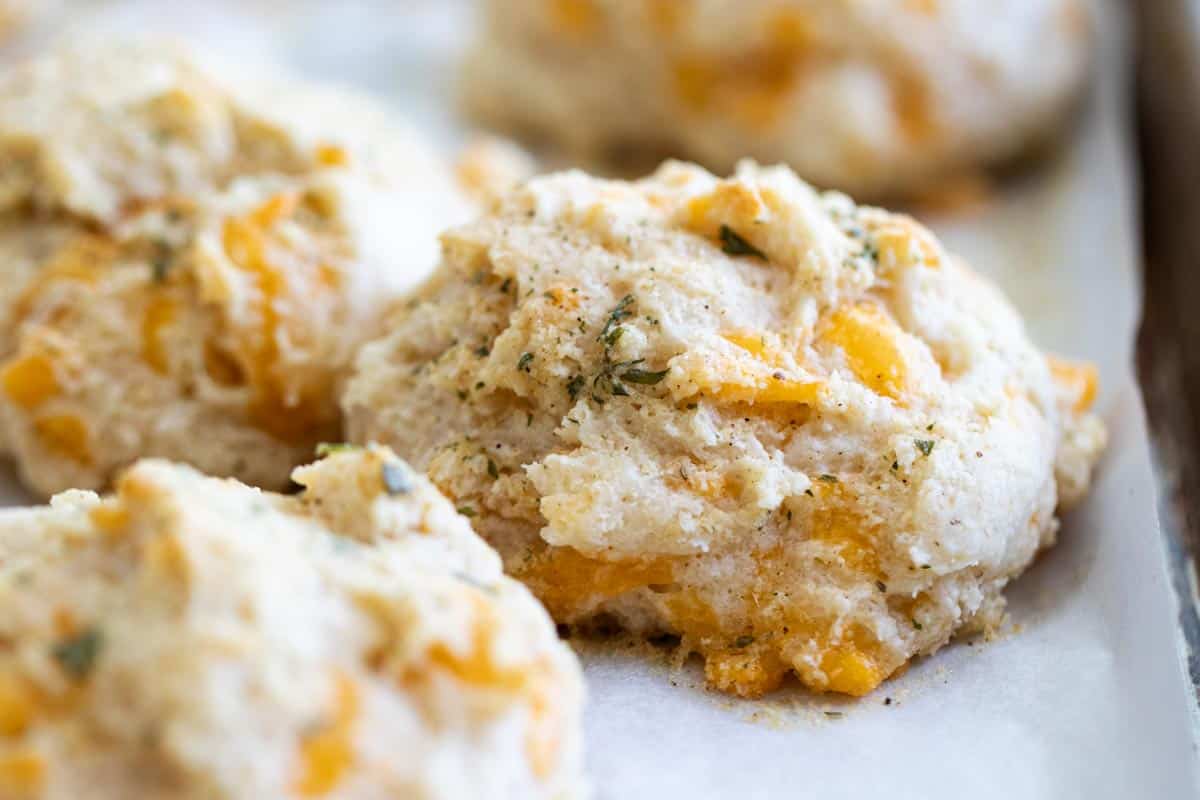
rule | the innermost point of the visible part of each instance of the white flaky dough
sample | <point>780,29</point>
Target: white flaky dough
<point>874,97</point>
<point>190,255</point>
<point>792,430</point>
<point>194,638</point>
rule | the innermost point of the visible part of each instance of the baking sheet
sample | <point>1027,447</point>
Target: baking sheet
<point>1084,697</point>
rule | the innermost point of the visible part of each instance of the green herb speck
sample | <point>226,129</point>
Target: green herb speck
<point>329,448</point>
<point>925,446</point>
<point>735,245</point>
<point>77,654</point>
<point>827,478</point>
<point>160,266</point>
<point>492,471</point>
<point>644,377</point>
<point>466,511</point>
<point>524,361</point>
<point>620,311</point>
<point>743,641</point>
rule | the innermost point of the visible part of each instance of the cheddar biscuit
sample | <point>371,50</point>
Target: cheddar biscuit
<point>873,97</point>
<point>792,430</point>
<point>190,257</point>
<point>191,637</point>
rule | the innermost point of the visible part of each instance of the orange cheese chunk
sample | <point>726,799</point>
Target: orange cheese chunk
<point>328,755</point>
<point>30,381</point>
<point>160,313</point>
<point>22,774</point>
<point>17,705</point>
<point>757,380</point>
<point>1079,382</point>
<point>82,259</point>
<point>478,667</point>
<point>578,18</point>
<point>870,340</point>
<point>769,390</point>
<point>567,581</point>
<point>744,674</point>
<point>330,155</point>
<point>65,435</point>
<point>913,106</point>
<point>752,87</point>
<point>293,414</point>
<point>905,243</point>
<point>110,517</point>
<point>543,741</point>
<point>850,671</point>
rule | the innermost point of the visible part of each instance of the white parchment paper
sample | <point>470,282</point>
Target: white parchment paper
<point>1086,697</point>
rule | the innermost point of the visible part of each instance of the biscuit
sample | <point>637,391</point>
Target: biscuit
<point>190,257</point>
<point>191,637</point>
<point>877,98</point>
<point>794,431</point>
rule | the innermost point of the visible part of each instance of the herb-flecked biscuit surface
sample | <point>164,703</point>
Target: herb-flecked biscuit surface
<point>792,430</point>
<point>190,256</point>
<point>874,97</point>
<point>190,637</point>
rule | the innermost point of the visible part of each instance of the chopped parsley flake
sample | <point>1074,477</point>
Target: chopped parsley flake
<point>870,251</point>
<point>492,471</point>
<point>827,478</point>
<point>925,446</point>
<point>575,386</point>
<point>395,478</point>
<point>483,352</point>
<point>160,265</point>
<point>743,641</point>
<point>466,511</point>
<point>644,377</point>
<point>735,245</point>
<point>612,337</point>
<point>917,625</point>
<point>524,361</point>
<point>329,448</point>
<point>77,654</point>
<point>620,311</point>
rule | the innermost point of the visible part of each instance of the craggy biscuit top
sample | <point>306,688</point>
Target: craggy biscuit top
<point>190,637</point>
<point>869,96</point>
<point>793,430</point>
<point>189,258</point>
